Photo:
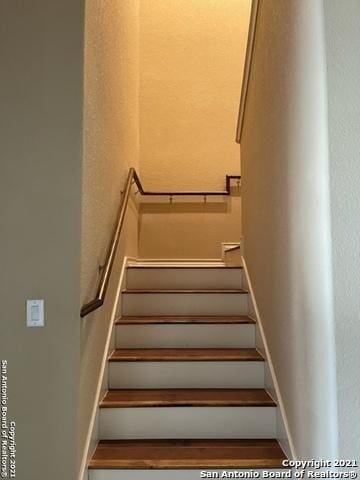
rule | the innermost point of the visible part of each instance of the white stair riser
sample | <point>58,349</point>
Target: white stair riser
<point>187,422</point>
<point>168,474</point>
<point>186,374</point>
<point>176,304</point>
<point>178,278</point>
<point>188,335</point>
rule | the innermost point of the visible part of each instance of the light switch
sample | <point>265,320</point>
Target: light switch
<point>35,313</point>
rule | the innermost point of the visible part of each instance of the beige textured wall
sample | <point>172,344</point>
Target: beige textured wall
<point>286,216</point>
<point>191,61</point>
<point>41,56</point>
<point>110,148</point>
<point>342,33</point>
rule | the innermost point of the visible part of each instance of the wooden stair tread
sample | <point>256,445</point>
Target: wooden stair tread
<point>216,267</point>
<point>190,454</point>
<point>185,354</point>
<point>151,320</point>
<point>187,397</point>
<point>208,290</point>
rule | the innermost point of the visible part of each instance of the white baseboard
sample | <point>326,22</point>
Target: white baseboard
<point>283,431</point>
<point>102,381</point>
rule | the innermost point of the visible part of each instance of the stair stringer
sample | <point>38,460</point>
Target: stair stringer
<point>271,383</point>
<point>103,380</point>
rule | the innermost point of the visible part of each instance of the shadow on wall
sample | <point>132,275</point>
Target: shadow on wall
<point>188,207</point>
<point>188,229</point>
<point>209,204</point>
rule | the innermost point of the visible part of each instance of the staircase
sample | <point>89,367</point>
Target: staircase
<point>186,383</point>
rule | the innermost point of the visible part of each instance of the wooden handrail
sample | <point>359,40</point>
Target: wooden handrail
<point>110,257</point>
<point>184,192</point>
<point>133,178</point>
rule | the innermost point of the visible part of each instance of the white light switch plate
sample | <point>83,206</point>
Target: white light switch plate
<point>35,313</point>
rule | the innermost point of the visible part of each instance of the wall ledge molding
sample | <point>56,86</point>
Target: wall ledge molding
<point>247,67</point>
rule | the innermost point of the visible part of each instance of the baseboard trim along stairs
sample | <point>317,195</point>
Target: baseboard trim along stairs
<point>186,383</point>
